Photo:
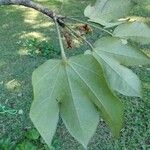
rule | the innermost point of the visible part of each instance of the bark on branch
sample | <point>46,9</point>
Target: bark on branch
<point>31,4</point>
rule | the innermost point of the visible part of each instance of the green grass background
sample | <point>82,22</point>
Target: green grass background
<point>17,24</point>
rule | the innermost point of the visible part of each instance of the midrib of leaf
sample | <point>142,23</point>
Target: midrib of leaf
<point>78,118</point>
<point>104,5</point>
<point>120,54</point>
<point>45,99</point>
<point>134,36</point>
<point>86,69</point>
<point>46,73</point>
<point>92,91</point>
<point>115,71</point>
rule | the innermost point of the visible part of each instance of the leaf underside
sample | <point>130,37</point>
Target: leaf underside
<point>119,78</point>
<point>135,31</point>
<point>73,89</point>
<point>122,52</point>
<point>112,53</point>
<point>107,12</point>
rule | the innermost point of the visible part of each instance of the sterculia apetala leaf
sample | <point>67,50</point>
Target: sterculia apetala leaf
<point>120,50</point>
<point>119,77</point>
<point>77,90</point>
<point>135,31</point>
<point>112,57</point>
<point>107,12</point>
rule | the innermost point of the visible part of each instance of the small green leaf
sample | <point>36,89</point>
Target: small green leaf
<point>26,145</point>
<point>136,31</point>
<point>107,12</point>
<point>122,52</point>
<point>7,144</point>
<point>32,134</point>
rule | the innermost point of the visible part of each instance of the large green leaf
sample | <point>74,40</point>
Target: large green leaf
<point>44,110</point>
<point>107,12</point>
<point>73,87</point>
<point>121,51</point>
<point>136,31</point>
<point>76,109</point>
<point>88,75</point>
<point>118,77</point>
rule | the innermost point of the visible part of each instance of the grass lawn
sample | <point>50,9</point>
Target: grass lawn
<point>17,25</point>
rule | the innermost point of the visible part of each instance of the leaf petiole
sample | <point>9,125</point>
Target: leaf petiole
<point>90,24</point>
<point>60,41</point>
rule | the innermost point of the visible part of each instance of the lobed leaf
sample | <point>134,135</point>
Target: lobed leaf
<point>44,111</point>
<point>73,88</point>
<point>118,77</point>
